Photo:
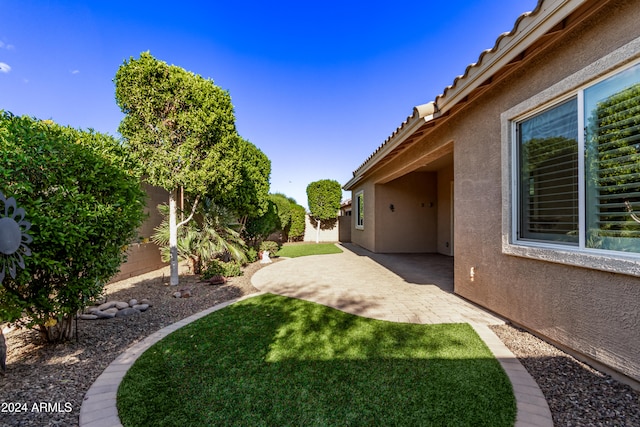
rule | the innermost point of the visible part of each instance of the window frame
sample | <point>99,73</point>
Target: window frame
<point>572,86</point>
<point>359,208</point>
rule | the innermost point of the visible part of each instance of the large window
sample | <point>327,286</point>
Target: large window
<point>582,188</point>
<point>360,210</point>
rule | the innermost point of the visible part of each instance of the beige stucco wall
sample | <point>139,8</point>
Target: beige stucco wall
<point>326,235</point>
<point>445,244</point>
<point>412,225</point>
<point>144,257</point>
<point>593,313</point>
<point>365,237</point>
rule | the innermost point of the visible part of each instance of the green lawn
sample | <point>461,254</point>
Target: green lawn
<point>304,249</point>
<point>276,361</point>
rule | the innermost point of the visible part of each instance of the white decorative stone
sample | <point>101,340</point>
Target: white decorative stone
<point>265,258</point>
<point>177,294</point>
<point>146,301</point>
<point>133,302</point>
<point>121,304</point>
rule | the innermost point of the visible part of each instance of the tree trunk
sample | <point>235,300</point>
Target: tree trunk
<point>173,237</point>
<point>318,231</point>
<point>60,332</point>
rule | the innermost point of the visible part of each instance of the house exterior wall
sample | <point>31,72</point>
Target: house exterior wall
<point>412,225</point>
<point>365,236</point>
<point>445,242</point>
<point>591,312</point>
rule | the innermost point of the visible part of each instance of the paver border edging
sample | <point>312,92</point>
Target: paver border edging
<point>98,407</point>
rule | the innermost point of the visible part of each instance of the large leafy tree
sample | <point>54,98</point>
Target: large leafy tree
<point>181,127</point>
<point>82,195</point>
<point>324,201</point>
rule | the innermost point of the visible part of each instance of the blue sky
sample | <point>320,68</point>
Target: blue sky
<point>317,86</point>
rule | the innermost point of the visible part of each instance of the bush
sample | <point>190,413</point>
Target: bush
<point>84,202</point>
<point>252,255</point>
<point>219,268</point>
<point>269,245</point>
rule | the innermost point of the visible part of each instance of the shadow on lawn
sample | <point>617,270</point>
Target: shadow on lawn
<point>271,360</point>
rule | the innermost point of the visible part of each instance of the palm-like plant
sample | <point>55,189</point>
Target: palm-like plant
<point>211,234</point>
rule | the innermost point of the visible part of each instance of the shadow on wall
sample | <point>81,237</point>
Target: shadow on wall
<point>329,230</point>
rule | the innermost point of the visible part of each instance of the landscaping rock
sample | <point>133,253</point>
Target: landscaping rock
<point>112,309</point>
<point>127,312</point>
<point>106,305</point>
<point>177,294</point>
<point>185,293</point>
<point>104,315</point>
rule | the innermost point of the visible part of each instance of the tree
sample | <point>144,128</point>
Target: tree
<point>82,195</point>
<point>181,128</point>
<point>283,208</point>
<point>324,198</point>
<point>252,189</point>
<point>298,214</point>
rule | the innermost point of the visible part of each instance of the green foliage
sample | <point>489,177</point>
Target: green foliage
<point>251,189</point>
<point>298,215</point>
<point>220,268</point>
<point>211,234</point>
<point>179,125</point>
<point>306,249</point>
<point>283,209</point>
<point>80,192</point>
<point>258,228</point>
<point>299,363</point>
<point>613,170</point>
<point>324,199</point>
<point>269,245</point>
<point>252,255</point>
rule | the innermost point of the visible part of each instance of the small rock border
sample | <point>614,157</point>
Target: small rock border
<point>111,309</point>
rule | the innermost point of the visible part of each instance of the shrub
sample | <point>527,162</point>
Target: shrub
<point>220,268</point>
<point>269,245</point>
<point>83,199</point>
<point>252,255</point>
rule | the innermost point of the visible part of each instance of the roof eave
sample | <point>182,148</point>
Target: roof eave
<point>421,115</point>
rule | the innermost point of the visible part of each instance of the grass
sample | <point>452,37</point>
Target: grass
<point>305,249</point>
<point>276,361</point>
